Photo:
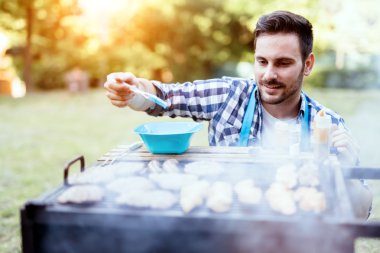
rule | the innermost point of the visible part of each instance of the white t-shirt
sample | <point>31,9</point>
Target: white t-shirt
<point>275,130</point>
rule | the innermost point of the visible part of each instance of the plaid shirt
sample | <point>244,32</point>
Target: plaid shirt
<point>223,103</point>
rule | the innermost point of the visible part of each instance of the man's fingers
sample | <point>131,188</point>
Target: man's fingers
<point>334,127</point>
<point>113,96</point>
<point>339,138</point>
<point>118,91</point>
<point>346,146</point>
<point>339,132</point>
<point>344,140</point>
<point>342,143</point>
<point>121,77</point>
<point>119,103</point>
<point>117,100</point>
<point>343,150</point>
<point>117,88</point>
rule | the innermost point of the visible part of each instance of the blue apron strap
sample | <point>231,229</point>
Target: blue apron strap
<point>247,120</point>
<point>305,127</point>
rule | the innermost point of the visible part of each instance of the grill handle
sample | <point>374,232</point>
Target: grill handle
<point>68,166</point>
<point>362,173</point>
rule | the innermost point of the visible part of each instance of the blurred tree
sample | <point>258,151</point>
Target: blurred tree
<point>37,27</point>
<point>16,20</point>
<point>189,38</point>
<point>167,40</point>
<point>352,26</point>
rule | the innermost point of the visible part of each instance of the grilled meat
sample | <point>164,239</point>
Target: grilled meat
<point>172,181</point>
<point>308,175</point>
<point>157,199</point>
<point>220,197</point>
<point>193,195</point>
<point>281,199</point>
<point>171,166</point>
<point>154,166</point>
<point>204,168</point>
<point>123,169</point>
<point>133,183</point>
<point>287,175</point>
<point>247,192</point>
<point>310,199</point>
<point>80,194</point>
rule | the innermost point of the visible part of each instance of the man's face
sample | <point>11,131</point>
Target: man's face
<point>278,68</point>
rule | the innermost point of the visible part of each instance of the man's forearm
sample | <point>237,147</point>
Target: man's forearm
<point>361,198</point>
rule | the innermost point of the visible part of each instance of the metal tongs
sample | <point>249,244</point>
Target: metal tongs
<point>148,96</point>
<point>134,146</point>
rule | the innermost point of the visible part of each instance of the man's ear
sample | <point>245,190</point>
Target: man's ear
<point>309,63</point>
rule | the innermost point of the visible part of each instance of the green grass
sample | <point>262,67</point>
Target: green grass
<point>42,131</point>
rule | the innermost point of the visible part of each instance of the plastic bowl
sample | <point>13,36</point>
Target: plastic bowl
<point>167,137</point>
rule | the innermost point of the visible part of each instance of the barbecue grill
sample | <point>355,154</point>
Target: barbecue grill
<point>51,227</point>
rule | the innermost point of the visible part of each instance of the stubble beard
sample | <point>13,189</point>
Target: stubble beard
<point>285,95</point>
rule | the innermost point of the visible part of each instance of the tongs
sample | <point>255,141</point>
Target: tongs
<point>130,148</point>
<point>147,95</point>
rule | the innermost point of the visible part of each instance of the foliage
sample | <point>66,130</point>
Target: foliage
<point>184,38</point>
<point>170,40</point>
<point>343,78</point>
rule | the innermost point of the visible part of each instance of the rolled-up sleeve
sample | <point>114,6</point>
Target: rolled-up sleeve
<point>199,100</point>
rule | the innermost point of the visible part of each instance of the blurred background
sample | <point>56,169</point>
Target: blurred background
<point>55,55</point>
<point>46,44</point>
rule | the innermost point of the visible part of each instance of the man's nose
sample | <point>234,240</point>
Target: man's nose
<point>270,73</point>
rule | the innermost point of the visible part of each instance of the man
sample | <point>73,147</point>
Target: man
<point>244,111</point>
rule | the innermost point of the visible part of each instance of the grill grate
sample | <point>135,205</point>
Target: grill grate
<point>50,227</point>
<point>260,170</point>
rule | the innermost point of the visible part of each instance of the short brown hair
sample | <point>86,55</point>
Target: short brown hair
<point>286,22</point>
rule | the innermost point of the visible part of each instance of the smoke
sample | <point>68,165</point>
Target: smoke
<point>106,227</point>
<point>192,234</point>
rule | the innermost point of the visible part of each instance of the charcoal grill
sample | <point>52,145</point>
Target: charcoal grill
<point>50,227</point>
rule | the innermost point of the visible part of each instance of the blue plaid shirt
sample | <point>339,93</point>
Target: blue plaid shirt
<point>223,103</point>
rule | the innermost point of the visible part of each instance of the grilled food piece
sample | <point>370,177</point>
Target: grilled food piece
<point>154,166</point>
<point>287,175</point>
<point>132,183</point>
<point>204,168</point>
<point>171,166</point>
<point>310,199</point>
<point>308,175</point>
<point>96,175</point>
<point>172,181</point>
<point>247,192</point>
<point>160,199</point>
<point>193,195</point>
<point>157,199</point>
<point>81,194</point>
<point>123,169</point>
<point>220,197</point>
<point>281,199</point>
<point>135,198</point>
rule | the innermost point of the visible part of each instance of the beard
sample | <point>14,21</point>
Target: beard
<point>282,91</point>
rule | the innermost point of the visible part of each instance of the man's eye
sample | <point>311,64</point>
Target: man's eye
<point>262,62</point>
<point>284,63</point>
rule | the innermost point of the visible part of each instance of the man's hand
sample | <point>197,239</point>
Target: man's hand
<point>120,94</point>
<point>348,149</point>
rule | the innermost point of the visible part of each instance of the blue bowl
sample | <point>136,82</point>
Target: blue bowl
<point>167,137</point>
